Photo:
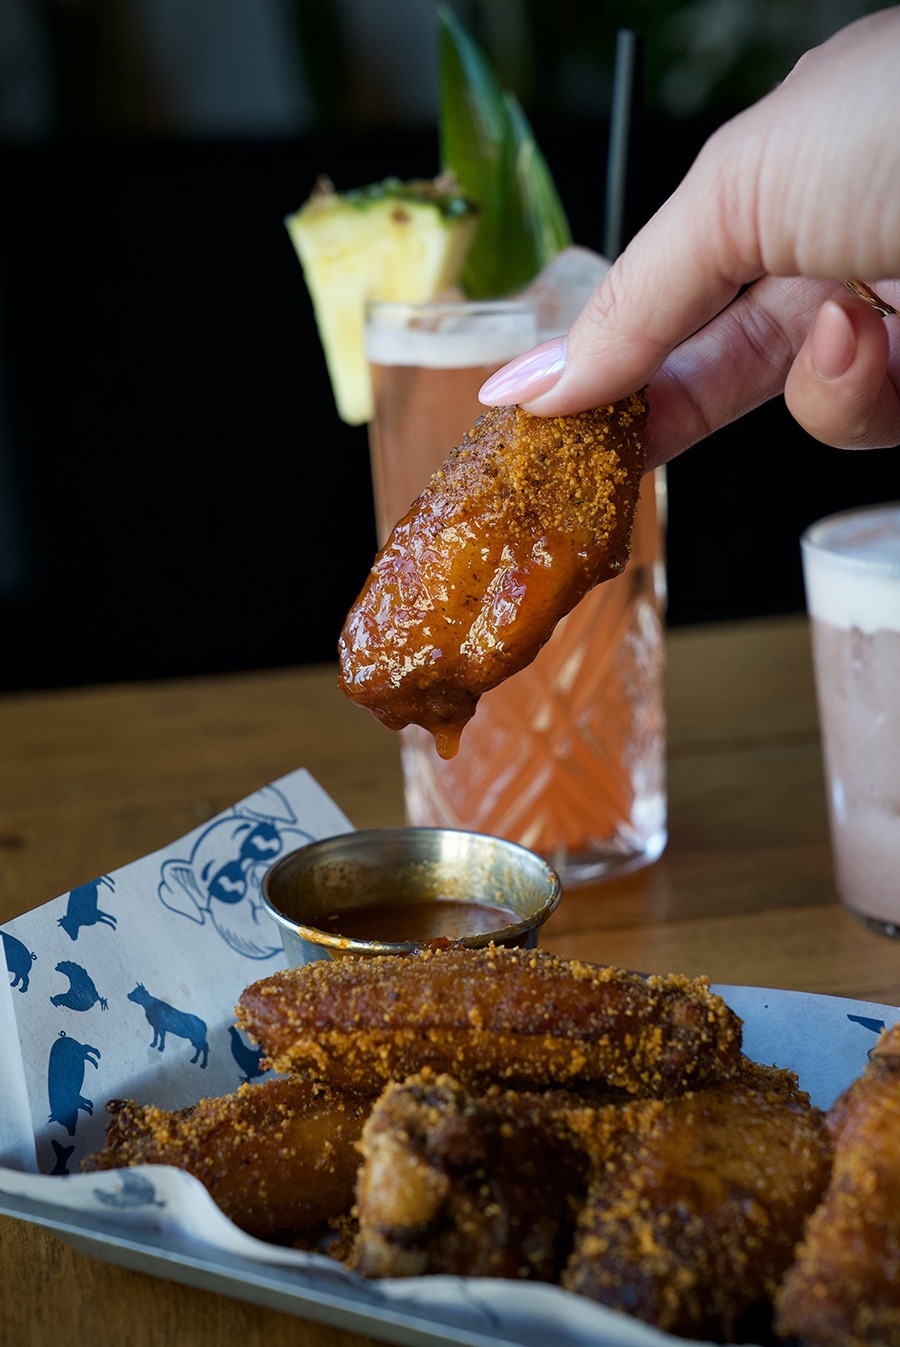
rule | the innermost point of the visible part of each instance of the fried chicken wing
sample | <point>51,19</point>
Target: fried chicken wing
<point>522,1017</point>
<point>278,1157</point>
<point>525,517</point>
<point>690,1223</point>
<point>844,1288</point>
<point>472,1185</point>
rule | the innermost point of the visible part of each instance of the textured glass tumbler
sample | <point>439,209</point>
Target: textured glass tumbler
<point>567,757</point>
<point>851,567</point>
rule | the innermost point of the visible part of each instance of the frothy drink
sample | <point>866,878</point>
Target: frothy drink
<point>852,574</point>
<point>428,362</point>
<point>568,756</point>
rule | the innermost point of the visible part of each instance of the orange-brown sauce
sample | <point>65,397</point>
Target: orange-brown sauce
<point>422,921</point>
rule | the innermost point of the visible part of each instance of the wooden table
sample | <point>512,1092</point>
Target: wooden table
<point>91,779</point>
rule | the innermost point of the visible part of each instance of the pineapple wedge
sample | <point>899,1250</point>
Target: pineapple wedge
<point>394,240</point>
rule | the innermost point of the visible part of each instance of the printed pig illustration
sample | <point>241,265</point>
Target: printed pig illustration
<point>18,960</point>
<point>165,1019</point>
<point>65,1077</point>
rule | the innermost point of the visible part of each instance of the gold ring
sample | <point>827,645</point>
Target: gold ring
<point>863,291</point>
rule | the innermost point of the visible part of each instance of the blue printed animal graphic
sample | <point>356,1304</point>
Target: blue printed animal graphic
<point>248,1059</point>
<point>61,1157</point>
<point>165,1019</point>
<point>18,960</point>
<point>83,908</point>
<point>219,882</point>
<point>65,1077</point>
<point>133,1190</point>
<point>81,993</point>
<point>875,1026</point>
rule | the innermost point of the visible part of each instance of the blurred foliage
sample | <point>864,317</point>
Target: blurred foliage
<point>364,64</point>
<point>700,57</point>
<point>486,142</point>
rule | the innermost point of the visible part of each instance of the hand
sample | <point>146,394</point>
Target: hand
<point>732,293</point>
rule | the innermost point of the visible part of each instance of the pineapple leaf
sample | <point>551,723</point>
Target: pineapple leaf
<point>488,144</point>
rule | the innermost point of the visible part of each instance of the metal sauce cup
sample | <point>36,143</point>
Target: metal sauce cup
<point>404,865</point>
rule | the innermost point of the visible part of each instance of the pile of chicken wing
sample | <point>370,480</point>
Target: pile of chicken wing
<point>508,1113</point>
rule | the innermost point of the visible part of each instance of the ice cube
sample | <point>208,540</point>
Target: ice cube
<point>563,287</point>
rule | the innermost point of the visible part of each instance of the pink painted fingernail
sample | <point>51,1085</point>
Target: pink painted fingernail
<point>526,377</point>
<point>833,341</point>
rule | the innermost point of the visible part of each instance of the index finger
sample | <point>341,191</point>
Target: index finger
<point>678,273</point>
<point>684,267</point>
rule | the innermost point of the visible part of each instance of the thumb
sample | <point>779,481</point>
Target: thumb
<point>841,387</point>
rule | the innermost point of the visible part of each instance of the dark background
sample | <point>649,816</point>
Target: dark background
<point>178,494</point>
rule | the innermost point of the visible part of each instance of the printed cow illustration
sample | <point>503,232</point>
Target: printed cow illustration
<point>18,960</point>
<point>65,1077</point>
<point>83,908</point>
<point>165,1019</point>
<point>219,882</point>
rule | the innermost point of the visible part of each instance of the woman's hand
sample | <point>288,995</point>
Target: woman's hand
<point>733,292</point>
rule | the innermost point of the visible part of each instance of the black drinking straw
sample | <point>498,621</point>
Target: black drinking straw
<point>625,94</point>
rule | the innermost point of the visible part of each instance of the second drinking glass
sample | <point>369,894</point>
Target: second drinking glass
<point>568,756</point>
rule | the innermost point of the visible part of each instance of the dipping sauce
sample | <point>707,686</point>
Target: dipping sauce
<point>419,921</point>
<point>391,890</point>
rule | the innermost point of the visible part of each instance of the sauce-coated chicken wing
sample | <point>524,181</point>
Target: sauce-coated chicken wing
<point>278,1157</point>
<point>525,517</point>
<point>470,1185</point>
<point>844,1288</point>
<point>520,1017</point>
<point>691,1224</point>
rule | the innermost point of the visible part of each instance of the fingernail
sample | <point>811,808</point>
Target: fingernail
<point>833,346</point>
<point>526,377</point>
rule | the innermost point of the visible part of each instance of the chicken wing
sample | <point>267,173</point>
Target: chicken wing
<point>691,1222</point>
<point>844,1288</point>
<point>278,1157</point>
<point>525,517</point>
<point>472,1185</point>
<point>523,1017</point>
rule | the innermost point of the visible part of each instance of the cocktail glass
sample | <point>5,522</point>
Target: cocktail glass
<point>568,756</point>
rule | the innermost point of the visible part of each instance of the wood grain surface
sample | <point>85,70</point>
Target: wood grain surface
<point>93,778</point>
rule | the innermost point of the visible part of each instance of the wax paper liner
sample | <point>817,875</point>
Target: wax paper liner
<point>125,987</point>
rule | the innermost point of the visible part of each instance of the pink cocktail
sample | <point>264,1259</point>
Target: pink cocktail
<point>568,756</point>
<point>851,565</point>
